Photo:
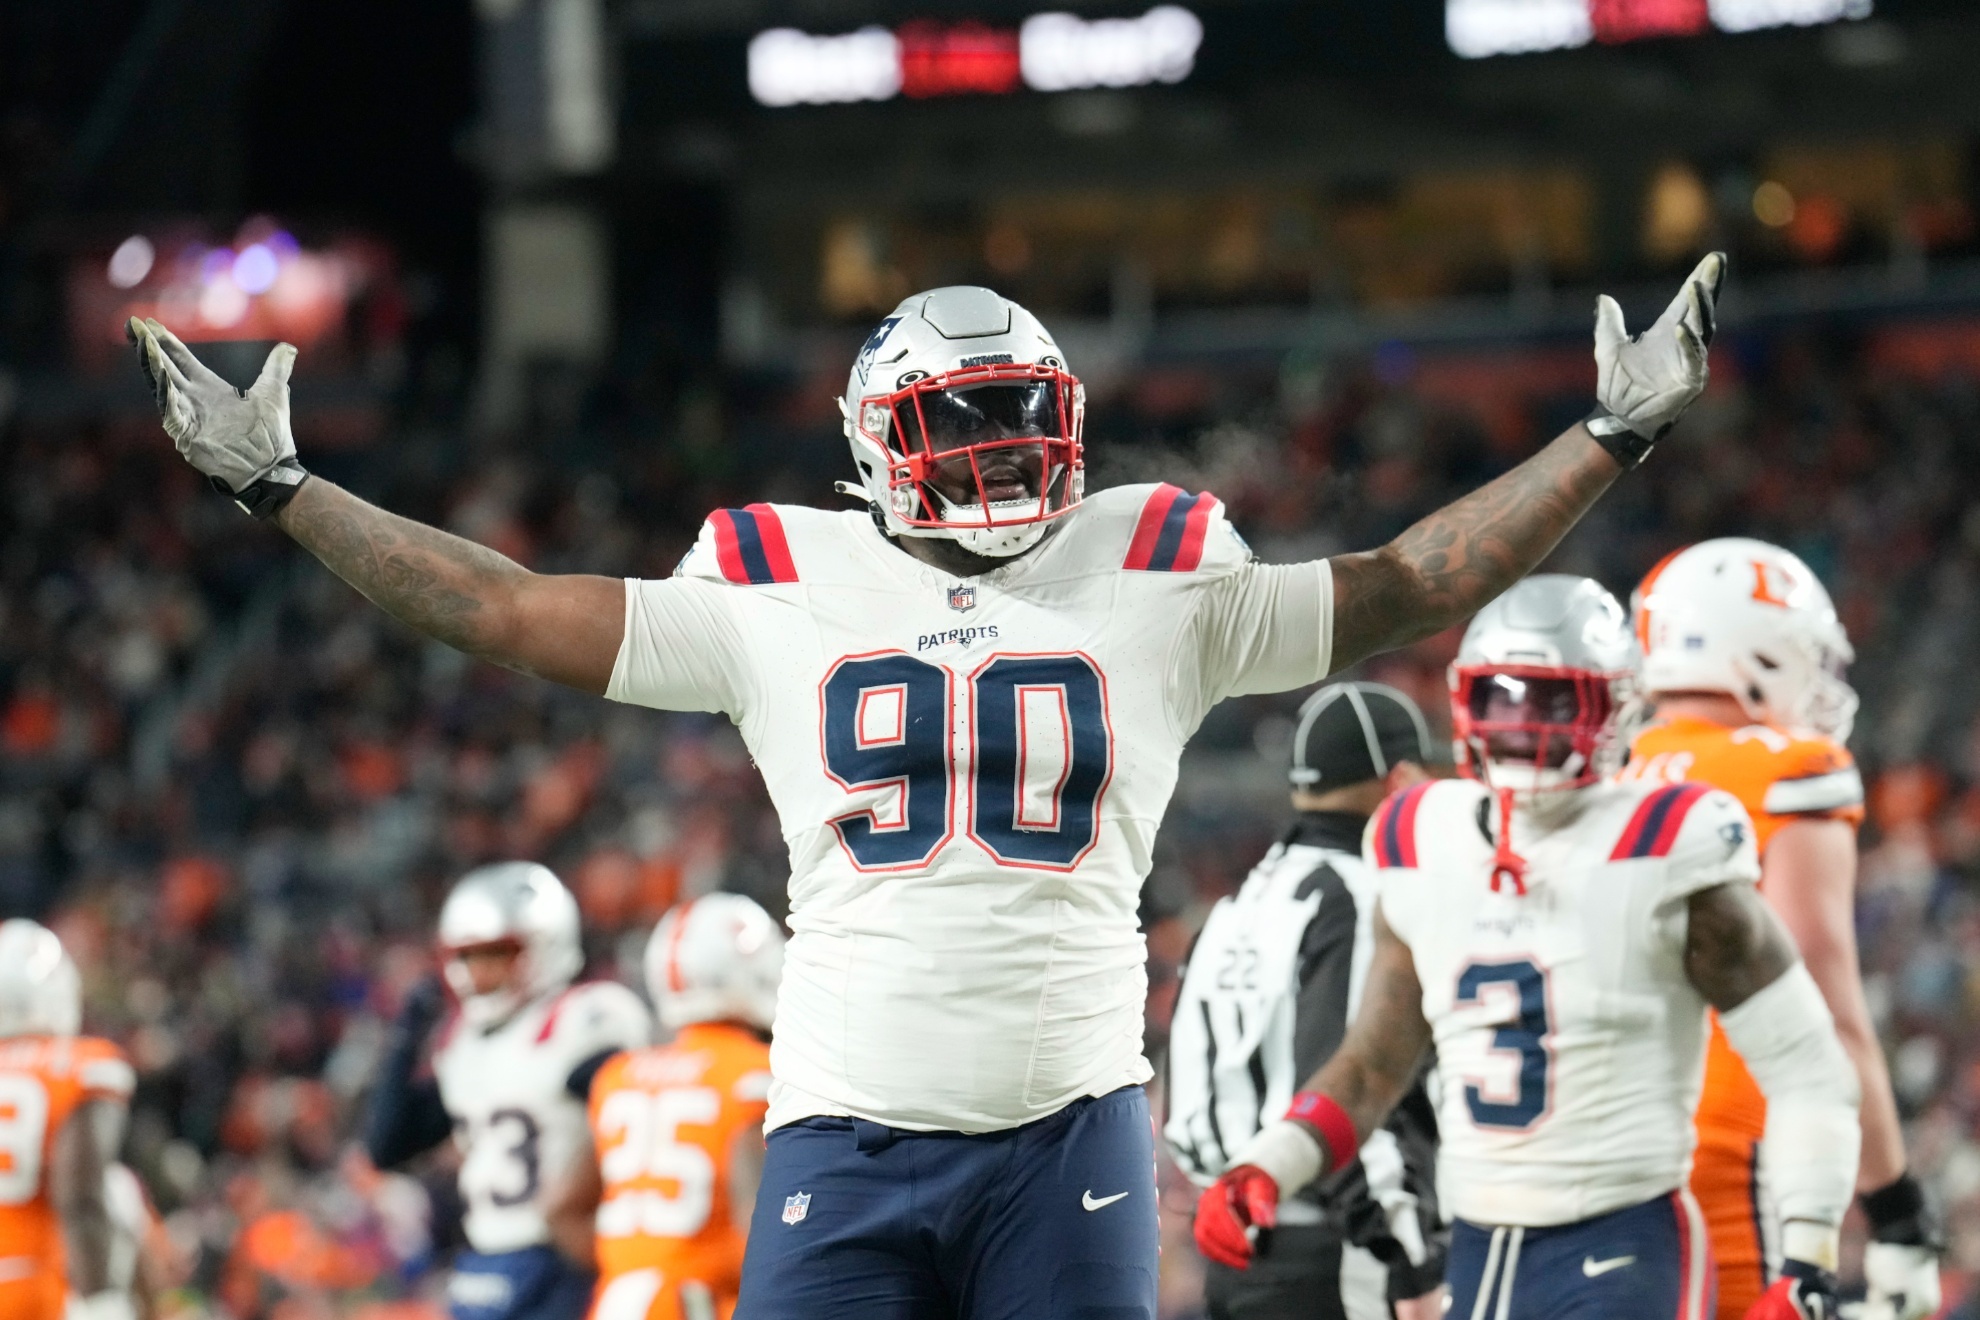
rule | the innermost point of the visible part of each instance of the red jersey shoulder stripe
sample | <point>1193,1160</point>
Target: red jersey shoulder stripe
<point>1395,828</point>
<point>750,547</point>
<point>1169,535</point>
<point>1653,829</point>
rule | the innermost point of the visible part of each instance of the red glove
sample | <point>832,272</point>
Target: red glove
<point>1803,1292</point>
<point>1244,1197</point>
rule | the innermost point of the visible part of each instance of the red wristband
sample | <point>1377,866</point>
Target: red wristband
<point>1336,1128</point>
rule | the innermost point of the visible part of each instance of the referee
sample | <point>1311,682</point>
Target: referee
<point>1266,996</point>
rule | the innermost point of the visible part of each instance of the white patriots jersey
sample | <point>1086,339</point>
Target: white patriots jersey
<point>516,1122</point>
<point>1570,1043</point>
<point>969,773</point>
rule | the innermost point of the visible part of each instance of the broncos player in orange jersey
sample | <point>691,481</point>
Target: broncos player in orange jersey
<point>1744,657</point>
<point>663,1209</point>
<point>63,1098</point>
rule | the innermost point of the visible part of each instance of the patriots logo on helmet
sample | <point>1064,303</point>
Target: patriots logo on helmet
<point>797,1207</point>
<point>872,346</point>
<point>962,598</point>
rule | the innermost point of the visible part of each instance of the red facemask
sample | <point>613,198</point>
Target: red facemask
<point>1002,440</point>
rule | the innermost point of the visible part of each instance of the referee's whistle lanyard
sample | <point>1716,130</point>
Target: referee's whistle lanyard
<point>1508,867</point>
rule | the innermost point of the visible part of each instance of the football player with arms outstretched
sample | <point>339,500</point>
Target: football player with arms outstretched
<point>662,1200</point>
<point>968,700</point>
<point>63,1101</point>
<point>1558,935</point>
<point>1744,655</point>
<point>511,1069</point>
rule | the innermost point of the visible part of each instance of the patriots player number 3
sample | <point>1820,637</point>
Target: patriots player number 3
<point>1038,751</point>
<point>1524,1038</point>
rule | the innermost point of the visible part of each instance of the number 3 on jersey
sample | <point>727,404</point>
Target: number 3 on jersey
<point>1039,744</point>
<point>1521,1041</point>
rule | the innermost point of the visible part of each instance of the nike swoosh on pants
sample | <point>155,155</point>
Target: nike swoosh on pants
<point>1595,1269</point>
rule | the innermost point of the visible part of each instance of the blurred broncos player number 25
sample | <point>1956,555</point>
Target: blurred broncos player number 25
<point>1037,742</point>
<point>23,1133</point>
<point>648,1123</point>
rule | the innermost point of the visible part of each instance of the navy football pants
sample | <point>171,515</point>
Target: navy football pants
<point>1644,1262</point>
<point>1055,1220</point>
<point>535,1283</point>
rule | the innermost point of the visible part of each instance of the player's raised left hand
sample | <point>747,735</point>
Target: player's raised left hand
<point>1803,1292</point>
<point>237,439</point>
<point>1645,382</point>
<point>1244,1198</point>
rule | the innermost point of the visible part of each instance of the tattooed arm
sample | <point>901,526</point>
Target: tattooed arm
<point>1454,562</point>
<point>1450,565</point>
<point>1734,946</point>
<point>1378,1060</point>
<point>1740,958</point>
<point>564,628</point>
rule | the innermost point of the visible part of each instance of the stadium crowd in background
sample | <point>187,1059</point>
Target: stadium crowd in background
<point>238,792</point>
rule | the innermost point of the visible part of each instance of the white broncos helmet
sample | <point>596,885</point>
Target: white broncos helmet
<point>515,903</point>
<point>40,988</point>
<point>957,383</point>
<point>1544,692</point>
<point>1750,620</point>
<point>715,958</point>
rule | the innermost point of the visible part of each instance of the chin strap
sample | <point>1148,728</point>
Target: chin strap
<point>1508,867</point>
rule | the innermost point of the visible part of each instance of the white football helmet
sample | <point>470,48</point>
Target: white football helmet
<point>962,380</point>
<point>519,903</point>
<point>40,988</point>
<point>1748,619</point>
<point>715,958</point>
<point>1544,691</point>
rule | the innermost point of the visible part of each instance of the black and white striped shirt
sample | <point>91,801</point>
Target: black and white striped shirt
<point>1268,991</point>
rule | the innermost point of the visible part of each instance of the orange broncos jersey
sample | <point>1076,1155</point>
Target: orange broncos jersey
<point>1779,777</point>
<point>665,1120</point>
<point>43,1081</point>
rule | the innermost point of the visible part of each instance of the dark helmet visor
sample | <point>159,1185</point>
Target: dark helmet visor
<point>1506,699</point>
<point>940,420</point>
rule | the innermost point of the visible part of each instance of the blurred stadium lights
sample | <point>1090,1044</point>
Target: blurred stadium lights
<point>261,286</point>
<point>131,262</point>
<point>1051,52</point>
<point>1477,28</point>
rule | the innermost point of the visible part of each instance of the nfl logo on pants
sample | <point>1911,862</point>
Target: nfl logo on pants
<point>796,1207</point>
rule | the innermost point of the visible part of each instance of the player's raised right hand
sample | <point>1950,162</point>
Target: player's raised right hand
<point>237,439</point>
<point>1244,1198</point>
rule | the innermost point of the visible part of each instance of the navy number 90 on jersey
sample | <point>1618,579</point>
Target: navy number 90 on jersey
<point>1036,754</point>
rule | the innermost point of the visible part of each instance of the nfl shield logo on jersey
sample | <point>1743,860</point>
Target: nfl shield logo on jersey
<point>962,598</point>
<point>796,1207</point>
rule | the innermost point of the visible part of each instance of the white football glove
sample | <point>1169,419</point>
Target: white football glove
<point>1645,382</point>
<point>238,439</point>
<point>1903,1283</point>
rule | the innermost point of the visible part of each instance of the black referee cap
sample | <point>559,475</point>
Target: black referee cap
<point>1349,733</point>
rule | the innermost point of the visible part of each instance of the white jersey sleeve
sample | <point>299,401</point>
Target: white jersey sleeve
<point>1255,627</point>
<point>1714,844</point>
<point>684,646</point>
